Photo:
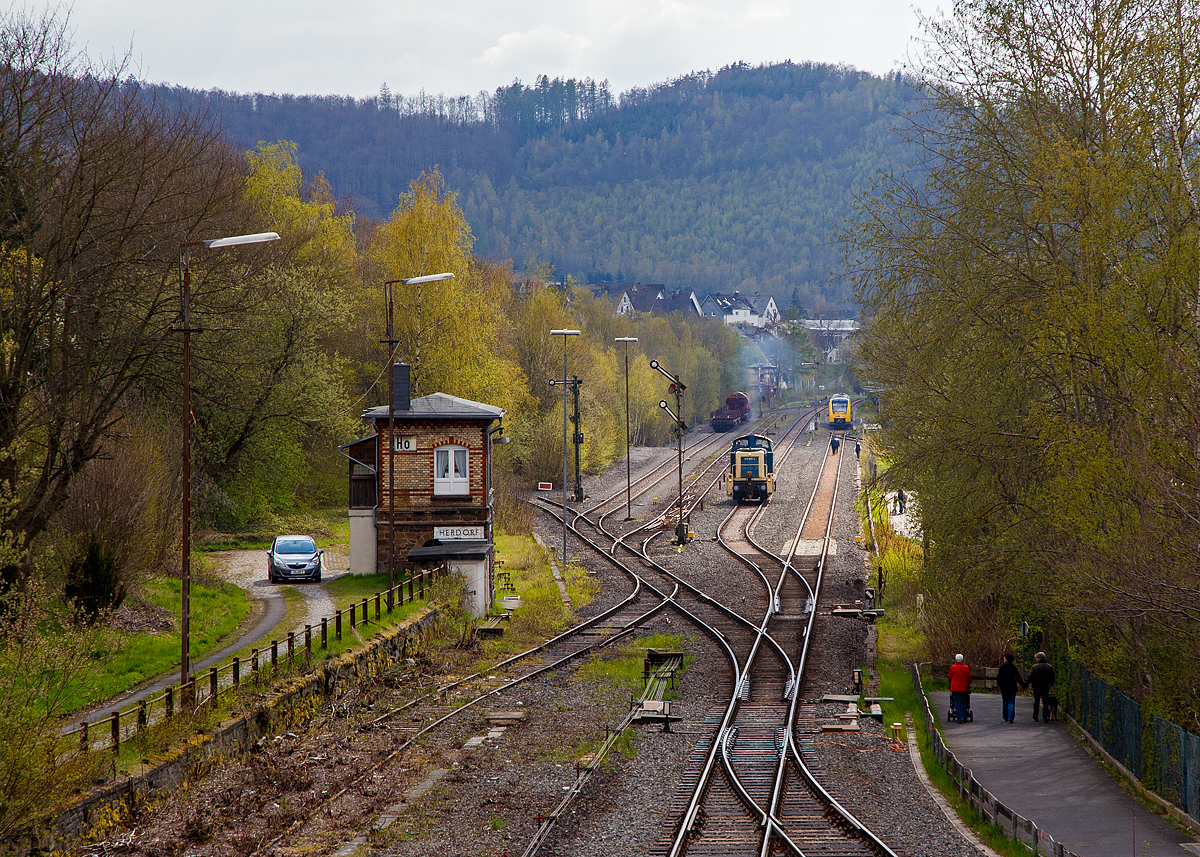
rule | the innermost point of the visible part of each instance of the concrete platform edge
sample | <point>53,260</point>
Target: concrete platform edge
<point>914,753</point>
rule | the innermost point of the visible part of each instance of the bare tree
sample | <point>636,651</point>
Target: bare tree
<point>99,184</point>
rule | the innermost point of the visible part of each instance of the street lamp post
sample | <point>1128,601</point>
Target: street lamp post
<point>564,334</point>
<point>185,299</point>
<point>628,446</point>
<point>391,342</point>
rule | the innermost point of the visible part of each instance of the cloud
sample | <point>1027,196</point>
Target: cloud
<point>544,47</point>
<point>307,46</point>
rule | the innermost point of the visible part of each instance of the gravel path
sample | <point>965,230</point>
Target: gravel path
<point>248,569</point>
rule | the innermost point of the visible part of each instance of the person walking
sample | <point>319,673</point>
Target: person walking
<point>1041,679</point>
<point>960,688</point>
<point>1008,679</point>
<point>857,448</point>
<point>834,442</point>
<point>901,499</point>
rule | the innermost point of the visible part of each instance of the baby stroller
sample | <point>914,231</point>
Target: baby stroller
<point>951,717</point>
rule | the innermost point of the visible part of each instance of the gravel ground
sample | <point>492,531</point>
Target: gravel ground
<point>479,788</point>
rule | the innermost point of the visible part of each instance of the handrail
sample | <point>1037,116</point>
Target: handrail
<point>206,687</point>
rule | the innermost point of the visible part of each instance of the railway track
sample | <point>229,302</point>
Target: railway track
<point>753,786</point>
<point>753,790</point>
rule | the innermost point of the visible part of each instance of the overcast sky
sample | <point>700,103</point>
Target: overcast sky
<point>457,47</point>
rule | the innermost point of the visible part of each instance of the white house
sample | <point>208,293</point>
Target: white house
<point>754,310</point>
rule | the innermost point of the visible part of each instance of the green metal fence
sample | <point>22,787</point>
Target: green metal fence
<point>1163,756</point>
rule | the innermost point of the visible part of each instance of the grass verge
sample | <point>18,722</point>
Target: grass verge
<point>621,667</point>
<point>123,661</point>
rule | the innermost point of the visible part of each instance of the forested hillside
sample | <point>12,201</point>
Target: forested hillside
<point>714,181</point>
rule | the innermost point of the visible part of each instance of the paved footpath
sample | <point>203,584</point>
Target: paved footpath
<point>1039,770</point>
<point>247,569</point>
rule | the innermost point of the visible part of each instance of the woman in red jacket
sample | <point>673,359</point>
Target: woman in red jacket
<point>960,688</point>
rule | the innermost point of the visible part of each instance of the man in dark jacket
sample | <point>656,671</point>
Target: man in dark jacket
<point>1041,679</point>
<point>1008,679</point>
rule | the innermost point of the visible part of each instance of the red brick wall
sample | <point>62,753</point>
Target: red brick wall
<point>417,510</point>
<point>414,470</point>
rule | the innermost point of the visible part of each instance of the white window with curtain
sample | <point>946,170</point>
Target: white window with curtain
<point>450,474</point>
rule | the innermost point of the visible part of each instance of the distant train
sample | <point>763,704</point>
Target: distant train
<point>735,412</point>
<point>751,474</point>
<point>839,412</point>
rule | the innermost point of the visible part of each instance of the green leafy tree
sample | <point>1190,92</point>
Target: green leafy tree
<point>448,331</point>
<point>270,381</point>
<point>1033,293</point>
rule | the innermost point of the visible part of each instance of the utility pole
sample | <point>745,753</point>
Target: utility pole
<point>628,445</point>
<point>564,333</point>
<point>677,388</point>
<point>392,450</point>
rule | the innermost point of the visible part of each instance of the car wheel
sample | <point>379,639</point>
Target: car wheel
<point>317,579</point>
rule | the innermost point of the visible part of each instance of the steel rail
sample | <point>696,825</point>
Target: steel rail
<point>771,421</point>
<point>689,506</point>
<point>806,773</point>
<point>668,466</point>
<point>687,823</point>
<point>767,819</point>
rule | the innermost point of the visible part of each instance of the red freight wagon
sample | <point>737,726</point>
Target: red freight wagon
<point>735,412</point>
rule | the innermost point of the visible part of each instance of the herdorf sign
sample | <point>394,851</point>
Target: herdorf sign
<point>458,534</point>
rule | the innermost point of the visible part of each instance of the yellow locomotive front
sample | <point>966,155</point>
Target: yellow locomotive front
<point>839,412</point>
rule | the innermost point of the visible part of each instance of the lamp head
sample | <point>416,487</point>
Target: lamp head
<point>428,278</point>
<point>234,241</point>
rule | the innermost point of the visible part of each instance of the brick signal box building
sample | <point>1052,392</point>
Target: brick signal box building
<point>426,490</point>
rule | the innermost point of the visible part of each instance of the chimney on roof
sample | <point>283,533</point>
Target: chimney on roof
<point>402,381</point>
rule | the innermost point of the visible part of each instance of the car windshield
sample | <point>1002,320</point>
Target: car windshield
<point>295,546</point>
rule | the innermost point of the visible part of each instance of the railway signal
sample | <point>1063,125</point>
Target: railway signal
<point>577,438</point>
<point>677,387</point>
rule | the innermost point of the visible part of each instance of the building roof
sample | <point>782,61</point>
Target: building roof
<point>645,299</point>
<point>761,303</point>
<point>840,325</point>
<point>649,297</point>
<point>728,303</point>
<point>684,302</point>
<point>439,406</point>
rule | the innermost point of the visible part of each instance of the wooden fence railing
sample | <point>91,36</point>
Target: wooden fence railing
<point>207,688</point>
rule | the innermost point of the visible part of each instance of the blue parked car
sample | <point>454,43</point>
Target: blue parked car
<point>294,558</point>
